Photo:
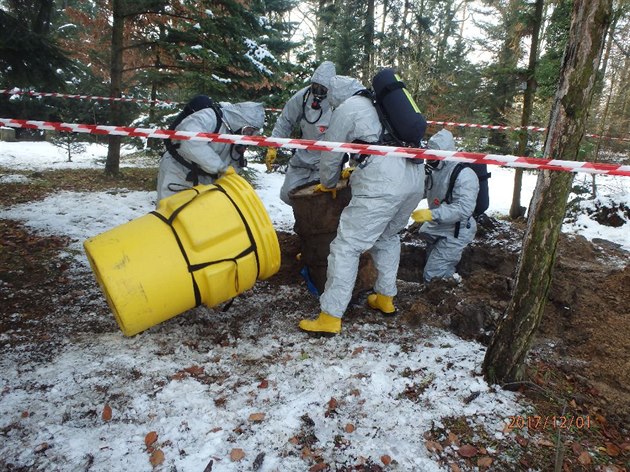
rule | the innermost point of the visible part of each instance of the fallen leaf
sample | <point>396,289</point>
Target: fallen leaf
<point>467,451</point>
<point>256,417</point>
<point>107,412</point>
<point>585,458</point>
<point>471,397</point>
<point>237,454</point>
<point>433,446</point>
<point>258,462</point>
<point>25,414</point>
<point>385,459</point>
<point>357,351</point>
<point>545,442</point>
<point>349,428</point>
<point>157,457</point>
<point>523,442</point>
<point>613,468</point>
<point>317,467</point>
<point>194,370</point>
<point>577,448</point>
<point>150,438</point>
<point>609,433</point>
<point>593,391</point>
<point>41,448</point>
<point>306,453</point>
<point>453,439</point>
<point>332,407</point>
<point>294,440</point>
<point>263,384</point>
<point>455,468</point>
<point>484,462</point>
<point>612,450</point>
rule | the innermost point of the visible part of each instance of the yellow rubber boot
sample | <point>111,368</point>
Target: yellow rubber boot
<point>382,303</point>
<point>324,323</point>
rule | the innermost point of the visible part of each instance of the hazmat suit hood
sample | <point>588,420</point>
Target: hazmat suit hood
<point>238,115</point>
<point>341,88</point>
<point>324,73</point>
<point>442,141</point>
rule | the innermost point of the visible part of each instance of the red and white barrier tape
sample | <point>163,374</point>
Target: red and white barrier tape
<point>168,102</point>
<point>97,98</point>
<point>263,141</point>
<point>85,97</point>
<point>515,128</point>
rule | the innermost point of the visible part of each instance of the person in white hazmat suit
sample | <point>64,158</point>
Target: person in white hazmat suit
<point>206,161</point>
<point>385,190</point>
<point>448,227</point>
<point>310,110</point>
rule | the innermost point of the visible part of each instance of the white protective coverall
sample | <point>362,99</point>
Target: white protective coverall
<point>385,190</point>
<point>445,243</point>
<point>212,158</point>
<point>304,164</point>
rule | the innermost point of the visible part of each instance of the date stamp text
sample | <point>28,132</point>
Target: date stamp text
<point>536,422</point>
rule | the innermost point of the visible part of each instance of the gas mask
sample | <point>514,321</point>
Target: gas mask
<point>239,149</point>
<point>431,165</point>
<point>319,93</point>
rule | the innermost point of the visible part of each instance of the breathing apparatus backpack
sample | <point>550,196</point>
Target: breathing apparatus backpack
<point>196,104</point>
<point>402,121</point>
<point>483,197</point>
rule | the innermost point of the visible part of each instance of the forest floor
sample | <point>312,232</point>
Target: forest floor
<point>578,372</point>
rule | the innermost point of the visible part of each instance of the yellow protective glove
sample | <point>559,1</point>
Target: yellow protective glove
<point>229,171</point>
<point>347,172</point>
<point>270,157</point>
<point>422,215</point>
<point>322,188</point>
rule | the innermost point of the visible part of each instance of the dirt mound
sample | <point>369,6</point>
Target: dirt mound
<point>586,323</point>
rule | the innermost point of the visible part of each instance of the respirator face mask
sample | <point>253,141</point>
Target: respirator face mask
<point>319,93</point>
<point>431,165</point>
<point>239,149</point>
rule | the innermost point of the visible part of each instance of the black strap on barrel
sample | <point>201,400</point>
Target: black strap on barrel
<point>192,268</point>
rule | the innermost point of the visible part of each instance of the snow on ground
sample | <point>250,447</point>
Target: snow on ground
<point>44,155</point>
<point>199,395</point>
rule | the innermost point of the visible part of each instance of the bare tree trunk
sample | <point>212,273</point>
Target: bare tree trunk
<point>112,164</point>
<point>516,210</point>
<point>510,344</point>
<point>601,131</point>
<point>600,86</point>
<point>323,21</point>
<point>506,76</point>
<point>368,45</point>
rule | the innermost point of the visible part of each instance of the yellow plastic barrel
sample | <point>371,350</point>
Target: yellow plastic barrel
<point>204,245</point>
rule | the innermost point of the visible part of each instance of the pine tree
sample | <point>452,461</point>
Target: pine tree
<point>30,58</point>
